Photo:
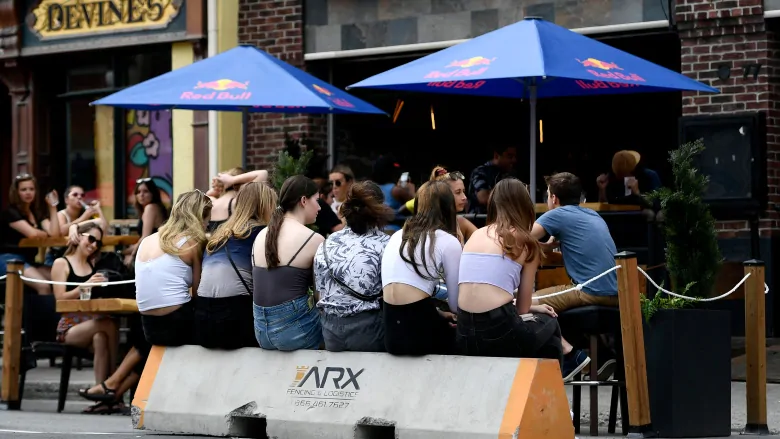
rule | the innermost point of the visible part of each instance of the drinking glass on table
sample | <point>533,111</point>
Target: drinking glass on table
<point>124,229</point>
<point>85,292</point>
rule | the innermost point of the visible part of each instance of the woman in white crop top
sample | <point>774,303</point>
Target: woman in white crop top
<point>167,265</point>
<point>499,259</point>
<point>414,261</point>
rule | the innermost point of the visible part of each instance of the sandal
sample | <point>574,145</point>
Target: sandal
<point>108,395</point>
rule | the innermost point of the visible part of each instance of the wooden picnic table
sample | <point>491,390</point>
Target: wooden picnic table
<point>598,207</point>
<point>110,240</point>
<point>109,306</point>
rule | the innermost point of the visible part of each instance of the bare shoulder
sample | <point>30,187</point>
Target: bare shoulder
<point>59,269</point>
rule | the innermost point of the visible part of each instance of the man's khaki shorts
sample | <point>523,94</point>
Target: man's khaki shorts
<point>572,299</point>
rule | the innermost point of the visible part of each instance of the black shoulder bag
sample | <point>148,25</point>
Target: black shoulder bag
<point>230,258</point>
<point>349,290</point>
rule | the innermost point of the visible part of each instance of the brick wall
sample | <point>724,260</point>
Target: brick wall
<point>734,33</point>
<point>277,28</point>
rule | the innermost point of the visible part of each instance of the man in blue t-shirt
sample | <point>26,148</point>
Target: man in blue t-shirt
<point>587,249</point>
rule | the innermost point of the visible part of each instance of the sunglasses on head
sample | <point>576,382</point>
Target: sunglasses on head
<point>24,176</point>
<point>455,175</point>
<point>93,240</point>
<point>143,180</point>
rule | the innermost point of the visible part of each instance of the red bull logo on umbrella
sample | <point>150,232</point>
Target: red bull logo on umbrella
<point>606,71</point>
<point>221,90</point>
<point>473,66</point>
<point>330,96</point>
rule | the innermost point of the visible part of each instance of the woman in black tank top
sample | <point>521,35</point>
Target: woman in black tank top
<point>95,331</point>
<point>284,312</point>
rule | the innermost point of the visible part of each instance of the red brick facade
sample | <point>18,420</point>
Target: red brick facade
<point>734,33</point>
<point>277,28</point>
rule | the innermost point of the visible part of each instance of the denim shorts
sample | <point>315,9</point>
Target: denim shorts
<point>290,326</point>
<point>6,257</point>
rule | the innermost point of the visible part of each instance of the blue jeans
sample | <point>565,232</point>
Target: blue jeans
<point>5,257</point>
<point>290,326</point>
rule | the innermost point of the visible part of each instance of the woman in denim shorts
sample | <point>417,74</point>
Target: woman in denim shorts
<point>285,316</point>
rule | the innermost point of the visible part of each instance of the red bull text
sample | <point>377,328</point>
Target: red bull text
<point>607,70</point>
<point>463,68</point>
<point>465,85</point>
<point>593,85</point>
<point>219,92</point>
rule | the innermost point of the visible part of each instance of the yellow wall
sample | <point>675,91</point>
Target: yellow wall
<point>104,158</point>
<point>183,140</point>
<point>229,123</point>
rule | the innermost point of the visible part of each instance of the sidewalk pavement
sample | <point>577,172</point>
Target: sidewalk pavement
<point>43,384</point>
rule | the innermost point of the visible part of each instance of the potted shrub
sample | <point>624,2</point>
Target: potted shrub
<point>688,348</point>
<point>292,160</point>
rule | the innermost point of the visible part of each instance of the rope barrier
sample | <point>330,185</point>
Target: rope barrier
<point>75,284</point>
<point>578,287</point>
<point>3,276</point>
<point>696,299</point>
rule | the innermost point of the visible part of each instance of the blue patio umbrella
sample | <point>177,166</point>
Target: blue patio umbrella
<point>242,79</point>
<point>532,59</point>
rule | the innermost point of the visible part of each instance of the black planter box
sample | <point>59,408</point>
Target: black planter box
<point>688,354</point>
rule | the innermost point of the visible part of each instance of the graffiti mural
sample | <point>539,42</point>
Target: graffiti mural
<point>149,152</point>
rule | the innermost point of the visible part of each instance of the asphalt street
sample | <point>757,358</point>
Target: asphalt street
<point>38,419</point>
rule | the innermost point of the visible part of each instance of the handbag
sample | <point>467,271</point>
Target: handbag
<point>230,258</point>
<point>349,290</point>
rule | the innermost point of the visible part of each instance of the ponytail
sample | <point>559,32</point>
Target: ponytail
<point>272,238</point>
<point>293,190</point>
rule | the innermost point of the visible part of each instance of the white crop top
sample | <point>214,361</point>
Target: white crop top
<point>446,261</point>
<point>162,281</point>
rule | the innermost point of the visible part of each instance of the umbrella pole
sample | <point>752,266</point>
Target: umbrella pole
<point>244,123</point>
<point>532,144</point>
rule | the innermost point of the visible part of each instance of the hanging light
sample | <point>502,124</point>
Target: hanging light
<point>433,119</point>
<point>398,105</point>
<point>541,132</point>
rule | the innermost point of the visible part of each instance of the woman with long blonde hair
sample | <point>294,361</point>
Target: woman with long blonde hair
<point>168,263</point>
<point>223,310</point>
<point>498,259</point>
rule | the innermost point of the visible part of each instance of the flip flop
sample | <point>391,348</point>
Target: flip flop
<point>108,395</point>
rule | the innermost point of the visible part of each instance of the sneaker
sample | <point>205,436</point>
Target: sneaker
<point>573,363</point>
<point>605,371</point>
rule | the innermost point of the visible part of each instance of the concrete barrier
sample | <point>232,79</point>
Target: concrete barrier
<point>349,395</point>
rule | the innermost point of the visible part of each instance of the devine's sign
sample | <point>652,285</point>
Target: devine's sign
<point>55,19</point>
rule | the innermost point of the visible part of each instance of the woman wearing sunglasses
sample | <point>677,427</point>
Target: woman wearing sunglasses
<point>75,213</point>
<point>86,331</point>
<point>22,220</point>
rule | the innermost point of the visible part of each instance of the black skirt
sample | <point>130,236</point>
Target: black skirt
<point>174,329</point>
<point>417,329</point>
